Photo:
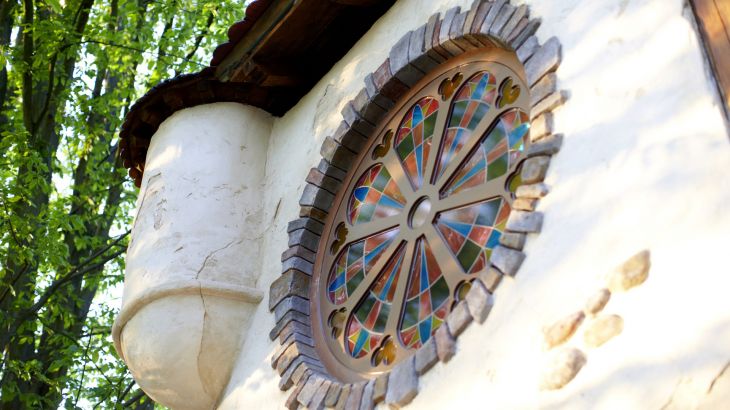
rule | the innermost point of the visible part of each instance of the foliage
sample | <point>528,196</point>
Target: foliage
<point>70,71</point>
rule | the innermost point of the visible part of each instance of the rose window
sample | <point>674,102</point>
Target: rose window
<point>418,215</point>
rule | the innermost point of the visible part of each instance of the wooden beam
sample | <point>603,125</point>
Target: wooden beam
<point>713,19</point>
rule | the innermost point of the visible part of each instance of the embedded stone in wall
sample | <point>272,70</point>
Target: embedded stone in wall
<point>491,279</point>
<point>514,240</point>
<point>520,221</point>
<point>631,273</point>
<point>426,357</point>
<point>597,302</point>
<point>480,301</point>
<point>562,330</point>
<point>445,344</point>
<point>402,384</point>
<point>534,191</point>
<point>505,259</point>
<point>602,329</point>
<point>524,204</point>
<point>534,169</point>
<point>563,366</point>
<point>545,60</point>
<point>381,387</point>
<point>541,126</point>
<point>458,319</point>
<point>549,145</point>
<point>333,393</point>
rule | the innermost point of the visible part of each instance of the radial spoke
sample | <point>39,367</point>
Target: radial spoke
<point>391,327</point>
<point>395,168</point>
<point>371,275</point>
<point>475,194</point>
<point>438,130</point>
<point>367,229</point>
<point>447,262</point>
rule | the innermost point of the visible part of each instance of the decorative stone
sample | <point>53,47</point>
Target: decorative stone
<point>310,388</point>
<point>399,62</point>
<point>535,191</point>
<point>597,302</point>
<point>505,13</point>
<point>458,27</point>
<point>356,122</point>
<point>304,238</point>
<point>305,223</point>
<point>388,85</point>
<point>331,170</point>
<point>430,37</point>
<point>299,264</point>
<point>545,60</point>
<point>312,212</point>
<point>534,169</point>
<point>562,330</point>
<point>426,357</point>
<point>547,85</point>
<point>520,37</point>
<point>469,22</point>
<point>288,317</point>
<point>355,398</point>
<point>491,278</point>
<point>300,252</point>
<point>316,197</point>
<point>491,16</point>
<point>511,24</point>
<point>317,401</point>
<point>521,221</point>
<point>549,103</point>
<point>367,109</point>
<point>458,319</point>
<point>631,273</point>
<point>367,402</point>
<point>445,344</point>
<point>562,368</point>
<point>286,358</point>
<point>521,25</point>
<point>295,327</point>
<point>480,301</point>
<point>505,259</point>
<point>331,185</point>
<point>524,204</point>
<point>481,13</point>
<point>291,303</point>
<point>416,54</point>
<point>541,126</point>
<point>403,383</point>
<point>292,403</point>
<point>302,371</point>
<point>602,329</point>
<point>381,388</point>
<point>285,381</point>
<point>444,30</point>
<point>292,282</point>
<point>344,397</point>
<point>549,145</point>
<point>514,240</point>
<point>527,49</point>
<point>333,393</point>
<point>336,154</point>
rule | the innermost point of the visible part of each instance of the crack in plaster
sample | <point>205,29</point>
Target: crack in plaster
<point>210,255</point>
<point>718,376</point>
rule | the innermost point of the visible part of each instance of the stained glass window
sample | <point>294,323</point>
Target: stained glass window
<point>418,220</point>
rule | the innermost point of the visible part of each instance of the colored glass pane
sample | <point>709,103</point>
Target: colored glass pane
<point>376,195</point>
<point>495,152</point>
<point>367,323</point>
<point>471,232</point>
<point>354,263</point>
<point>413,140</point>
<point>469,106</point>
<point>426,304</point>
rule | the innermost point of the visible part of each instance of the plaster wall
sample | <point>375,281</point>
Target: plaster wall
<point>641,168</point>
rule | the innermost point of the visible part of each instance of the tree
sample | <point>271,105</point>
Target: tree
<point>70,71</point>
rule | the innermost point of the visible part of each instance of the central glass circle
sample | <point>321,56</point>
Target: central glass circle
<point>419,212</point>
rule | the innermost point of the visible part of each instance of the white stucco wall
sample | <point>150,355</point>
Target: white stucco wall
<point>641,168</point>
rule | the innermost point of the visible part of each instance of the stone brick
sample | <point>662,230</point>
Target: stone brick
<point>456,32</point>
<point>430,38</point>
<point>545,60</point>
<point>317,402</point>
<point>480,301</point>
<point>549,145</point>
<point>367,402</point>
<point>491,17</point>
<point>400,63</point>
<point>562,330</point>
<point>528,222</point>
<point>380,388</point>
<point>355,397</point>
<point>284,320</point>
<point>519,39</point>
<point>527,49</point>
<point>298,251</point>
<point>597,301</point>
<point>305,238</point>
<point>505,13</point>
<point>481,13</point>
<point>331,185</point>
<point>286,357</point>
<point>285,381</point>
<point>349,138</point>
<point>444,30</point>
<point>333,393</point>
<point>458,319</point>
<point>490,278</point>
<point>291,303</point>
<point>312,212</point>
<point>602,329</point>
<point>403,383</point>
<point>562,368</point>
<point>375,95</point>
<point>525,204</point>
<point>296,263</point>
<point>356,122</point>
<point>419,57</point>
<point>445,344</point>
<point>471,15</point>
<point>368,110</point>
<point>388,85</point>
<point>285,344</point>
<point>316,197</point>
<point>310,388</point>
<point>510,25</point>
<point>537,191</point>
<point>541,126</point>
<point>292,403</point>
<point>507,260</point>
<point>336,154</point>
<point>534,169</point>
<point>290,283</point>
<point>547,85</point>
<point>516,30</point>
<point>344,397</point>
<point>426,357</point>
<point>631,273</point>
<point>331,170</point>
<point>306,223</point>
<point>303,369</point>
<point>514,240</point>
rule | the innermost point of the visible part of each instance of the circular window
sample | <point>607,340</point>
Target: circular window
<point>419,214</point>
